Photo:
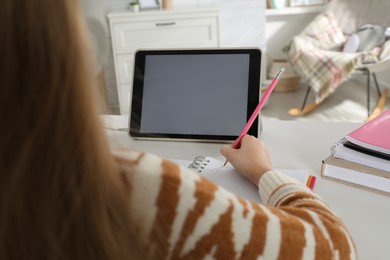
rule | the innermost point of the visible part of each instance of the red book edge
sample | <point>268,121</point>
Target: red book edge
<point>311,181</point>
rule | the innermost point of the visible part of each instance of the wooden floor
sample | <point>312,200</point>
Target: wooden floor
<point>347,104</point>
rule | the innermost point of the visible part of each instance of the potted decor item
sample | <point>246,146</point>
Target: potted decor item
<point>134,6</point>
<point>167,4</point>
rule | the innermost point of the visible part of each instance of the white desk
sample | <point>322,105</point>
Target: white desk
<point>302,145</point>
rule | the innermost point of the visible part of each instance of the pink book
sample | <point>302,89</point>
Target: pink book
<point>373,135</point>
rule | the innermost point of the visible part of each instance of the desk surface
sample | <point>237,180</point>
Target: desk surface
<point>299,145</point>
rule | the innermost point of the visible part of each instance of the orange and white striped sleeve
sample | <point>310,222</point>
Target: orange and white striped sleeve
<point>181,215</point>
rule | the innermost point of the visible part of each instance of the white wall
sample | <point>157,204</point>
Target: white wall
<point>280,29</point>
<point>241,24</point>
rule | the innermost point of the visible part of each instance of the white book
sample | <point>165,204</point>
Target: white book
<point>356,174</point>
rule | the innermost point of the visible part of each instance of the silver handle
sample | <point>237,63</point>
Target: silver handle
<point>166,24</point>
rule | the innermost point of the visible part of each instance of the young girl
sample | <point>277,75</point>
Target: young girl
<point>65,195</point>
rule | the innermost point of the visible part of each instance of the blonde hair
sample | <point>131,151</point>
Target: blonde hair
<point>60,189</point>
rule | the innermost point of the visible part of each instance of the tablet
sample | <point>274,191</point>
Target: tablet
<point>194,94</point>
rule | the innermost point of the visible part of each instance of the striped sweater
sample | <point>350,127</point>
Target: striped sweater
<point>181,215</point>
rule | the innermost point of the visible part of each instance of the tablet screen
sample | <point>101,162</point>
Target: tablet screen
<point>194,94</point>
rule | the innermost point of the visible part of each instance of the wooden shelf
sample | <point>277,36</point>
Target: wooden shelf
<point>294,10</point>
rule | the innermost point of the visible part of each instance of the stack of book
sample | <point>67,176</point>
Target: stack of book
<point>362,157</point>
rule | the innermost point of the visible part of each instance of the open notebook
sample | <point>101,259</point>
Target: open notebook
<point>228,178</point>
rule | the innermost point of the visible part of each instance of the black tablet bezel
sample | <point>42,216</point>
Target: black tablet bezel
<point>138,82</point>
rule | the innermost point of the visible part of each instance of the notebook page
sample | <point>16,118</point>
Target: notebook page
<point>228,178</point>
<point>300,175</point>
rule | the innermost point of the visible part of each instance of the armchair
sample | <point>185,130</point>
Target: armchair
<point>317,53</point>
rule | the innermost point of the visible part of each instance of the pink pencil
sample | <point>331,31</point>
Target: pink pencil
<point>237,142</point>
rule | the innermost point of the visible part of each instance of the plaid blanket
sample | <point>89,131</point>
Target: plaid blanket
<point>316,55</point>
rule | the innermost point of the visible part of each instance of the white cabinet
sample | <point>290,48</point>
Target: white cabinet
<point>185,28</point>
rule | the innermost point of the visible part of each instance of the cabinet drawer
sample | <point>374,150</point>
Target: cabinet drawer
<point>165,33</point>
<point>125,68</point>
